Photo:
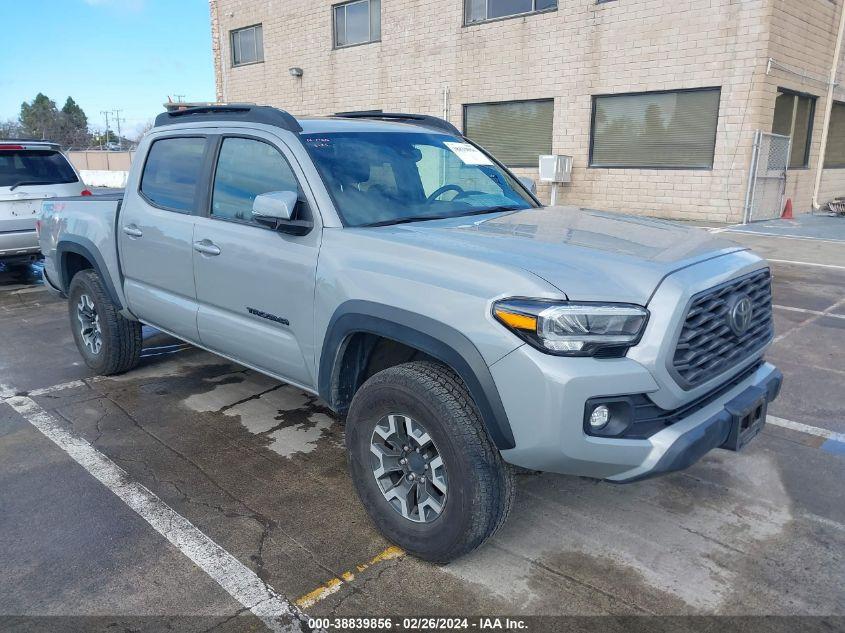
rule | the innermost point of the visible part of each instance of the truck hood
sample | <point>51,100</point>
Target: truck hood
<point>588,255</point>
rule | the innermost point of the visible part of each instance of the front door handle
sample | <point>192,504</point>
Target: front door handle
<point>207,247</point>
<point>132,230</point>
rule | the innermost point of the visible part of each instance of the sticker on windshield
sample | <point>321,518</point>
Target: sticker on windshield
<point>468,154</point>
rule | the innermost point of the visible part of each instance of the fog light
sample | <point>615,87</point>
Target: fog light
<point>599,417</point>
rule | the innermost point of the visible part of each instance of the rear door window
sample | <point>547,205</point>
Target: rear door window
<point>34,167</point>
<point>172,173</point>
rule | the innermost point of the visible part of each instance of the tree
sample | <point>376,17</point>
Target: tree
<point>74,125</point>
<point>102,137</point>
<point>41,117</point>
<point>141,131</point>
<point>10,129</point>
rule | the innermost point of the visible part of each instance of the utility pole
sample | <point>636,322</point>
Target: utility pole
<point>106,114</point>
<point>118,119</point>
<point>179,98</point>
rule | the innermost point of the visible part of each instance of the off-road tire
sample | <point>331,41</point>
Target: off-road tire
<point>480,483</point>
<point>121,338</point>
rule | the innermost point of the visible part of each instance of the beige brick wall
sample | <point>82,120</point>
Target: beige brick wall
<point>578,51</point>
<point>803,37</point>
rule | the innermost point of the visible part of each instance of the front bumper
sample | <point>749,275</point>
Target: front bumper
<point>544,397</point>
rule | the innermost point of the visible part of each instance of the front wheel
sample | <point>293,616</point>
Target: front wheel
<point>108,342</point>
<point>422,463</point>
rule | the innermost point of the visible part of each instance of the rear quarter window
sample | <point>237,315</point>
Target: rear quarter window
<point>34,167</point>
<point>172,172</point>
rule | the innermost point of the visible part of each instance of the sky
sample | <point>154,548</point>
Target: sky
<point>106,54</point>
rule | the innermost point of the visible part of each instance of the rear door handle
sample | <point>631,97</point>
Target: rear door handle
<point>207,247</point>
<point>132,230</point>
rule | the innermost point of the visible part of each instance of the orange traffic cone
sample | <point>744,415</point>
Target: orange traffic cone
<point>787,210</point>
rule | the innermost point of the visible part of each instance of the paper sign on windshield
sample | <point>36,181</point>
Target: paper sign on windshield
<point>468,154</point>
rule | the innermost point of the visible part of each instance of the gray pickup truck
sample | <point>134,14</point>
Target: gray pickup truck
<point>389,265</point>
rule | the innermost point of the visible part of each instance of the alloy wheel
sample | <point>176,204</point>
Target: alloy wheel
<point>408,468</point>
<point>89,324</point>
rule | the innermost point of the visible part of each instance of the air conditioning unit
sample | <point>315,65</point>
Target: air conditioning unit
<point>555,168</point>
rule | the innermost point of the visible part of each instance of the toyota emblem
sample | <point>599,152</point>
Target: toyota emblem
<point>740,312</point>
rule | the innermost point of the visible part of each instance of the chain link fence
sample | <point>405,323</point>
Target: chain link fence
<point>767,177</point>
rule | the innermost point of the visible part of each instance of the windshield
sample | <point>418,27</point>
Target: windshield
<point>24,166</point>
<point>389,177</point>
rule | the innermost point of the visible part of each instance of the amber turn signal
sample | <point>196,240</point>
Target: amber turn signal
<point>517,321</point>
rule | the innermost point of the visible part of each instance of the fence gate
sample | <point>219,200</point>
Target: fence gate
<point>767,177</point>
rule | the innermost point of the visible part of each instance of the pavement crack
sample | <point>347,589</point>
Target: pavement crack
<point>715,541</point>
<point>236,614</point>
<point>254,396</point>
<point>257,516</point>
<point>583,583</point>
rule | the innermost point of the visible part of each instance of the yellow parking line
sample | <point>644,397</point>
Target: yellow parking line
<point>333,586</point>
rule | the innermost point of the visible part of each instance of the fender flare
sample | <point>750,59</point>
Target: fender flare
<point>87,249</point>
<point>432,337</point>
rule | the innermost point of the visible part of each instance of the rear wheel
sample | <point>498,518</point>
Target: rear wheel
<point>423,464</point>
<point>108,342</point>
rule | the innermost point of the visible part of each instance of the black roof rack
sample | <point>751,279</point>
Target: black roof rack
<point>232,112</point>
<point>419,119</point>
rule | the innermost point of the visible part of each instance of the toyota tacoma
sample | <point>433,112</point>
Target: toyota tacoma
<point>399,271</point>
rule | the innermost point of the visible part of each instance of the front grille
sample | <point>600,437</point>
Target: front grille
<point>707,346</point>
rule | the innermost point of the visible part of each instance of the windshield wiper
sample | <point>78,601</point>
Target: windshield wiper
<point>28,182</point>
<point>423,218</point>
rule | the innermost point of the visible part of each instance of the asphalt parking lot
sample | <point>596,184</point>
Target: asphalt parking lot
<point>201,486</point>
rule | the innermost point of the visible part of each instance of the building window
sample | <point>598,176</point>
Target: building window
<point>515,132</point>
<point>483,10</point>
<point>794,118</point>
<point>655,130</point>
<point>357,22</point>
<point>834,156</point>
<point>247,45</point>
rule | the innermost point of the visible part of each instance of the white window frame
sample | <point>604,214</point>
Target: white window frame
<point>344,5</point>
<point>533,10</point>
<point>235,41</point>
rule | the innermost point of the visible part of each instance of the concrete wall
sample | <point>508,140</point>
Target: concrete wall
<point>102,169</point>
<point>101,160</point>
<point>582,49</point>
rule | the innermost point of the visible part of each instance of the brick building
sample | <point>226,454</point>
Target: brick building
<point>657,101</point>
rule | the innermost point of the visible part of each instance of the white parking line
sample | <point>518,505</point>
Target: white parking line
<point>817,265</point>
<point>806,428</point>
<point>806,311</point>
<point>73,384</point>
<point>814,316</point>
<point>787,236</point>
<point>234,577</point>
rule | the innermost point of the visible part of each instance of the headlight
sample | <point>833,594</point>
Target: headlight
<point>573,329</point>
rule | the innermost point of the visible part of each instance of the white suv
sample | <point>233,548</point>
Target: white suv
<point>30,171</point>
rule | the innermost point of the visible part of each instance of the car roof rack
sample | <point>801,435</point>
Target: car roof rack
<point>232,112</point>
<point>419,119</point>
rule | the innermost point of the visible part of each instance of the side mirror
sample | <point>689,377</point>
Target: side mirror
<point>529,184</point>
<point>276,210</point>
